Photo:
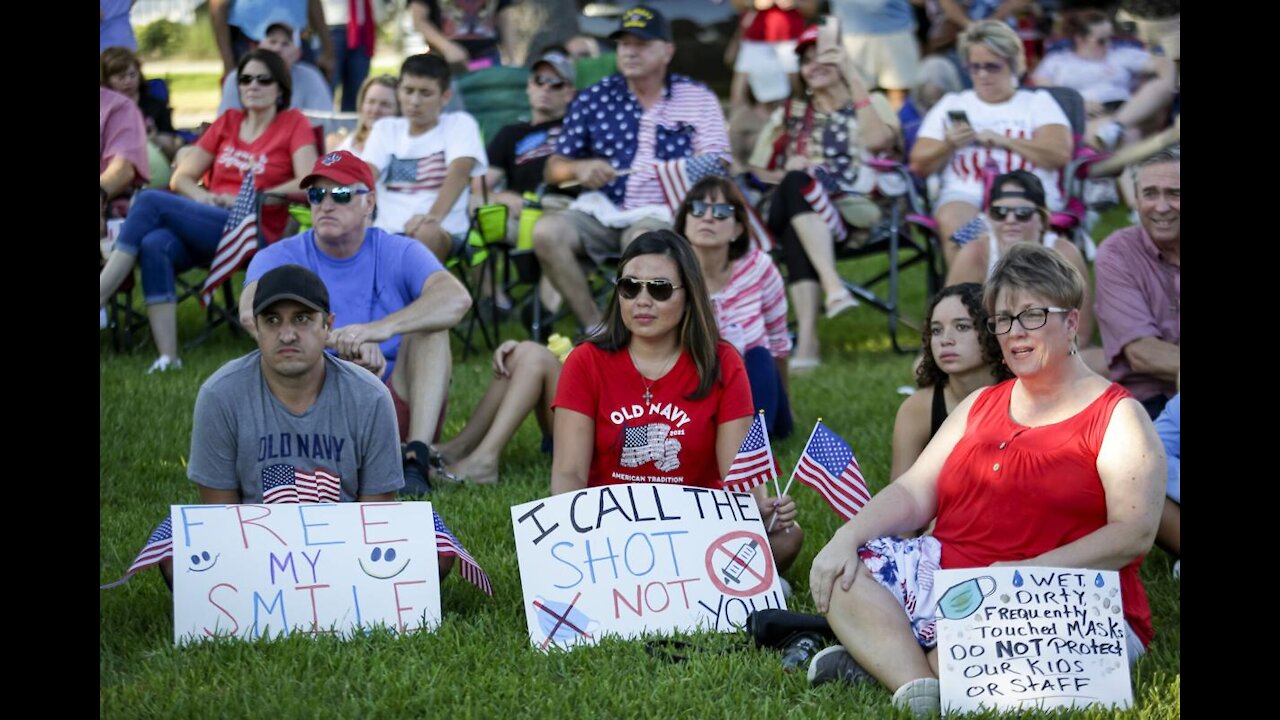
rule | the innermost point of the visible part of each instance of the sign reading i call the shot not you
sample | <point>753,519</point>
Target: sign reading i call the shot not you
<point>1031,637</point>
<point>317,568</point>
<point>629,559</point>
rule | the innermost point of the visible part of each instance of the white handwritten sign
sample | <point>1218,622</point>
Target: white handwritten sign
<point>1018,637</point>
<point>249,571</point>
<point>630,559</point>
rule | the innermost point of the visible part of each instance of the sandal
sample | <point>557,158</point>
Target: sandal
<point>839,303</point>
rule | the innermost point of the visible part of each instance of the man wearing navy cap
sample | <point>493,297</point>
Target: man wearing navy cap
<point>623,125</point>
<point>394,302</point>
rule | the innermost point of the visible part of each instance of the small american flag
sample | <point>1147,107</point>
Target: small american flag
<point>828,466</point>
<point>239,239</point>
<point>447,544</point>
<point>754,464</point>
<point>159,546</point>
<point>816,195</point>
<point>284,483</point>
<point>675,177</point>
<point>414,174</point>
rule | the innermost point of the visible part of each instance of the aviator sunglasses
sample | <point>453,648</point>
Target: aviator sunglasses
<point>719,211</point>
<point>341,195</point>
<point>660,290</point>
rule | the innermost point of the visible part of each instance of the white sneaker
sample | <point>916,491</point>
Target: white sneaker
<point>921,696</point>
<point>102,318</point>
<point>163,363</point>
<point>1109,135</point>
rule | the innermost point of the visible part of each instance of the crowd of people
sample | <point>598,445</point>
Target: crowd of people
<point>1017,406</point>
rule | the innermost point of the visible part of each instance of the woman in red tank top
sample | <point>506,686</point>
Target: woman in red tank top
<point>1058,467</point>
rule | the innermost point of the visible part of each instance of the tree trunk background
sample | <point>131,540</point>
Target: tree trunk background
<point>535,24</point>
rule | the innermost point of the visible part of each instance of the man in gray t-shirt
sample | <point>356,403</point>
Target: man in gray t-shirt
<point>289,422</point>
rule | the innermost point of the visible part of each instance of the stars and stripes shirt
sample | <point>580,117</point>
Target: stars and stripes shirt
<point>607,121</point>
<point>751,310</point>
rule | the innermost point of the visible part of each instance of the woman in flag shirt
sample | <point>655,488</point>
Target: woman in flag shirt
<point>747,295</point>
<point>1058,467</point>
<point>655,397</point>
<point>169,233</point>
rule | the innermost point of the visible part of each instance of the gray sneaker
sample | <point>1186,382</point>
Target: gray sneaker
<point>920,696</point>
<point>836,665</point>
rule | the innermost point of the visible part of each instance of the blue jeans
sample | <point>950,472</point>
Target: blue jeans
<point>169,234</point>
<point>351,67</point>
<point>768,393</point>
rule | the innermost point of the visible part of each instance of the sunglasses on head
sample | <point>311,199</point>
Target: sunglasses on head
<point>263,80</point>
<point>554,83</point>
<point>719,211</point>
<point>1023,214</point>
<point>660,290</point>
<point>989,67</point>
<point>341,195</point>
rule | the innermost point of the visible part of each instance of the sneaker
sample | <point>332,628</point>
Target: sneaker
<point>835,664</point>
<point>920,696</point>
<point>102,318</point>
<point>1109,135</point>
<point>164,363</point>
<point>800,650</point>
<point>1177,567</point>
<point>786,588</point>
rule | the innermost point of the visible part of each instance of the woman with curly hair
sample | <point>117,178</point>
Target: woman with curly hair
<point>959,356</point>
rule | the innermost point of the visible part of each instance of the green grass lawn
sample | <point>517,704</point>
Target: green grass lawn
<point>479,664</point>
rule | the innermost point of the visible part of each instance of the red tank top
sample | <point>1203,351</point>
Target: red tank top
<point>1012,492</point>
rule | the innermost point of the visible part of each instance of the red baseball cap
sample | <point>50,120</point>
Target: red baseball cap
<point>341,167</point>
<point>810,35</point>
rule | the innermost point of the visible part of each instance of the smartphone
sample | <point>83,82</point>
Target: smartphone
<point>958,117</point>
<point>828,43</point>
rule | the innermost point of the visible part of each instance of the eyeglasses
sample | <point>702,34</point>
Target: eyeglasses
<point>660,290</point>
<point>719,211</point>
<point>1002,213</point>
<point>990,68</point>
<point>552,82</point>
<point>263,80</point>
<point>341,195</point>
<point>1030,319</point>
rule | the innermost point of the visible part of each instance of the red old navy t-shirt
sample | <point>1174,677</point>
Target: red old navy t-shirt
<point>672,439</point>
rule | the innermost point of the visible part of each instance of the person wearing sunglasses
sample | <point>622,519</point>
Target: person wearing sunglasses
<point>310,91</point>
<point>993,128</point>
<point>169,233</point>
<point>1017,214</point>
<point>655,396</point>
<point>393,301</point>
<point>813,149</point>
<point>1058,467</point>
<point>1102,68</point>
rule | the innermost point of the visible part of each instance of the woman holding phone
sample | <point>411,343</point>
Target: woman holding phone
<point>994,128</point>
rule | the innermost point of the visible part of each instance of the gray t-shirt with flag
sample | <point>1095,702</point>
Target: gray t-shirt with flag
<point>344,446</point>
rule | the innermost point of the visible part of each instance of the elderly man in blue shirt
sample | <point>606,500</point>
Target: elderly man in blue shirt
<point>616,134</point>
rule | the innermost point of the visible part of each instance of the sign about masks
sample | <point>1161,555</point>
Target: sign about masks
<point>631,559</point>
<point>250,571</point>
<point>1031,637</point>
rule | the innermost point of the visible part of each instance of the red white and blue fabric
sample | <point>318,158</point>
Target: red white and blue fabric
<point>417,174</point>
<point>284,483</point>
<point>677,177</point>
<point>815,193</point>
<point>828,466</point>
<point>754,464</point>
<point>238,242</point>
<point>160,546</point>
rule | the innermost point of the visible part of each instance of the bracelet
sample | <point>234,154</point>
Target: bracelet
<point>859,104</point>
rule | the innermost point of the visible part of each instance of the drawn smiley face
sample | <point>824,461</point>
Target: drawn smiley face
<point>389,556</point>
<point>203,563</point>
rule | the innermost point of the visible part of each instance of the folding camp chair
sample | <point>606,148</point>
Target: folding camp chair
<point>908,236</point>
<point>495,96</point>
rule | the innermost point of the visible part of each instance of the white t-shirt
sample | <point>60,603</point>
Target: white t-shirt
<point>413,169</point>
<point>1102,81</point>
<point>1019,117</point>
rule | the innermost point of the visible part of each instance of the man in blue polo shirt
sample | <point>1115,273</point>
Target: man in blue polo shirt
<point>614,134</point>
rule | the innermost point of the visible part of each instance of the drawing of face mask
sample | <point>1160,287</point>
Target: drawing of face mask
<point>962,600</point>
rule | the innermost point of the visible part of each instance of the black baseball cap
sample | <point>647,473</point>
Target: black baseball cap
<point>291,282</point>
<point>644,22</point>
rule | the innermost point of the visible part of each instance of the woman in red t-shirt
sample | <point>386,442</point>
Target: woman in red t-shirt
<point>656,397</point>
<point>1058,467</point>
<point>168,233</point>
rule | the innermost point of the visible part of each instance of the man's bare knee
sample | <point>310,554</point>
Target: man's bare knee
<point>549,235</point>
